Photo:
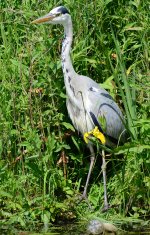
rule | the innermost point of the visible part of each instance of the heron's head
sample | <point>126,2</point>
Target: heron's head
<point>58,15</point>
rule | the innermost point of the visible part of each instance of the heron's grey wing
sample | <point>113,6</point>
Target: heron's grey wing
<point>106,112</point>
<point>101,107</point>
<point>95,107</point>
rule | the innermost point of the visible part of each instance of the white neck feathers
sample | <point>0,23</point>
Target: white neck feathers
<point>68,70</point>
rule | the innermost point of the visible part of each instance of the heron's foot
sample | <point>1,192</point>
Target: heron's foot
<point>95,132</point>
<point>84,197</point>
<point>106,208</point>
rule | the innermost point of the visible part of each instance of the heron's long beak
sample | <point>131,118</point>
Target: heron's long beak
<point>43,19</point>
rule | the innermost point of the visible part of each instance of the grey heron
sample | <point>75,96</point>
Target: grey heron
<point>88,104</point>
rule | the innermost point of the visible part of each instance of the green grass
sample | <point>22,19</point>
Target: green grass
<point>111,45</point>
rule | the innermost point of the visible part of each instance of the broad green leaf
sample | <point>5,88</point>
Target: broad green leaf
<point>68,126</point>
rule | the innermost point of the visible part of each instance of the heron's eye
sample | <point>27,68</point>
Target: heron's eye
<point>58,14</point>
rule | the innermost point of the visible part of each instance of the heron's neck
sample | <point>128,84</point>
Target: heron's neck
<point>68,70</point>
<point>67,66</point>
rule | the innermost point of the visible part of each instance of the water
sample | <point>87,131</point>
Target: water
<point>69,229</point>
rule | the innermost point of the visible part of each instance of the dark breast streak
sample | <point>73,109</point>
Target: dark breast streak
<point>65,69</point>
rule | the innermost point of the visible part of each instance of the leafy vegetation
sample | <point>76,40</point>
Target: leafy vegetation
<point>43,166</point>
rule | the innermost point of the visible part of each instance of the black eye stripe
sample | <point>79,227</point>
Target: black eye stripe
<point>62,10</point>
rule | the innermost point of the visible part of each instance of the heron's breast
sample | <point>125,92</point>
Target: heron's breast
<point>79,118</point>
